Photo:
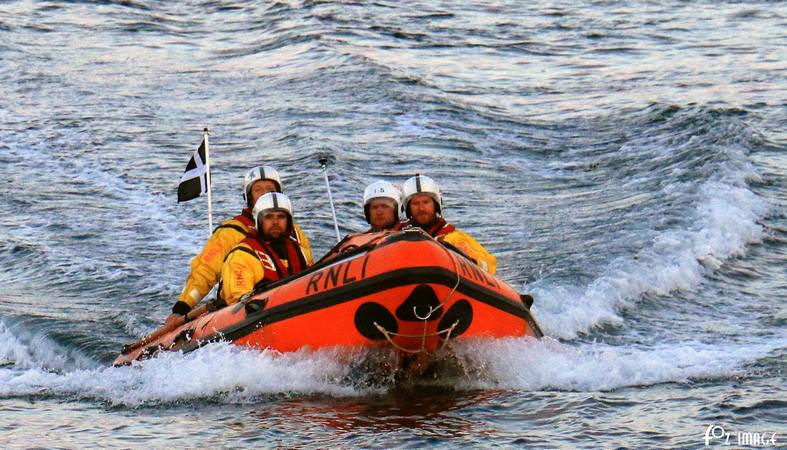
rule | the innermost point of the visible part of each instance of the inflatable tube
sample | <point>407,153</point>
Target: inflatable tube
<point>403,289</point>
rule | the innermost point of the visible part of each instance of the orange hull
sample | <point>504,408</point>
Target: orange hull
<point>404,290</point>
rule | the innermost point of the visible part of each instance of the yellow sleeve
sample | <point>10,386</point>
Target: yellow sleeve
<point>240,272</point>
<point>473,249</point>
<point>206,267</point>
<point>303,242</point>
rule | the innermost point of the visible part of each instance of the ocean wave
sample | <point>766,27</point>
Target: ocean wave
<point>24,350</point>
<point>548,364</point>
<point>704,214</point>
<point>726,221</point>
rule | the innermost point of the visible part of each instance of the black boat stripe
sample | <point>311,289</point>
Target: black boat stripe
<point>413,236</point>
<point>389,280</point>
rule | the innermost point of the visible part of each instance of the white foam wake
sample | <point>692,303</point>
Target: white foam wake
<point>529,364</point>
<point>28,351</point>
<point>725,222</point>
<point>221,372</point>
<point>226,373</point>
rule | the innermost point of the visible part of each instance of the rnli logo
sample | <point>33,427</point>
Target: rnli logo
<point>338,274</point>
<point>213,250</point>
<point>240,281</point>
<point>475,273</point>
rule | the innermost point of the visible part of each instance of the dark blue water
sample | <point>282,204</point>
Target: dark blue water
<point>625,162</point>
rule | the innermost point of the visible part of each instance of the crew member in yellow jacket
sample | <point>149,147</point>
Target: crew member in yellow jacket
<point>262,258</point>
<point>423,204</point>
<point>206,267</point>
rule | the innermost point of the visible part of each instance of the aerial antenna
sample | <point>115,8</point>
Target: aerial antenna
<point>324,166</point>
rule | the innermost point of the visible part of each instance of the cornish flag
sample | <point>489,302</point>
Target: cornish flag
<point>194,180</point>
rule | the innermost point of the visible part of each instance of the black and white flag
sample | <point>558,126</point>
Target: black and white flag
<point>194,181</point>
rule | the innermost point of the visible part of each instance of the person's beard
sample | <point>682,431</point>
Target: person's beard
<point>386,224</point>
<point>270,238</point>
<point>427,226</point>
<point>267,236</point>
<point>278,246</point>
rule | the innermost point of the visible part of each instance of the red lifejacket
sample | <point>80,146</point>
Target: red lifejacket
<point>439,229</point>
<point>296,262</point>
<point>245,218</point>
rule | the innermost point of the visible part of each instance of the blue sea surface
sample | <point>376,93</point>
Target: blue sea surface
<point>625,162</point>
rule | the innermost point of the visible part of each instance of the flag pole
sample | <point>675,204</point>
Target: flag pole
<point>205,134</point>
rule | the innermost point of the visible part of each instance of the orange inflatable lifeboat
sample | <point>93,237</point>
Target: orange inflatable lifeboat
<point>401,289</point>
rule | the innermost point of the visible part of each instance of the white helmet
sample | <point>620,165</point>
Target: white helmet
<point>272,201</point>
<point>382,189</point>
<point>421,184</point>
<point>256,174</point>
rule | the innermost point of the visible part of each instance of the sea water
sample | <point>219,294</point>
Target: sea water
<point>625,162</point>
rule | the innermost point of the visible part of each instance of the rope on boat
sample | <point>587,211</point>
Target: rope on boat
<point>390,334</point>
